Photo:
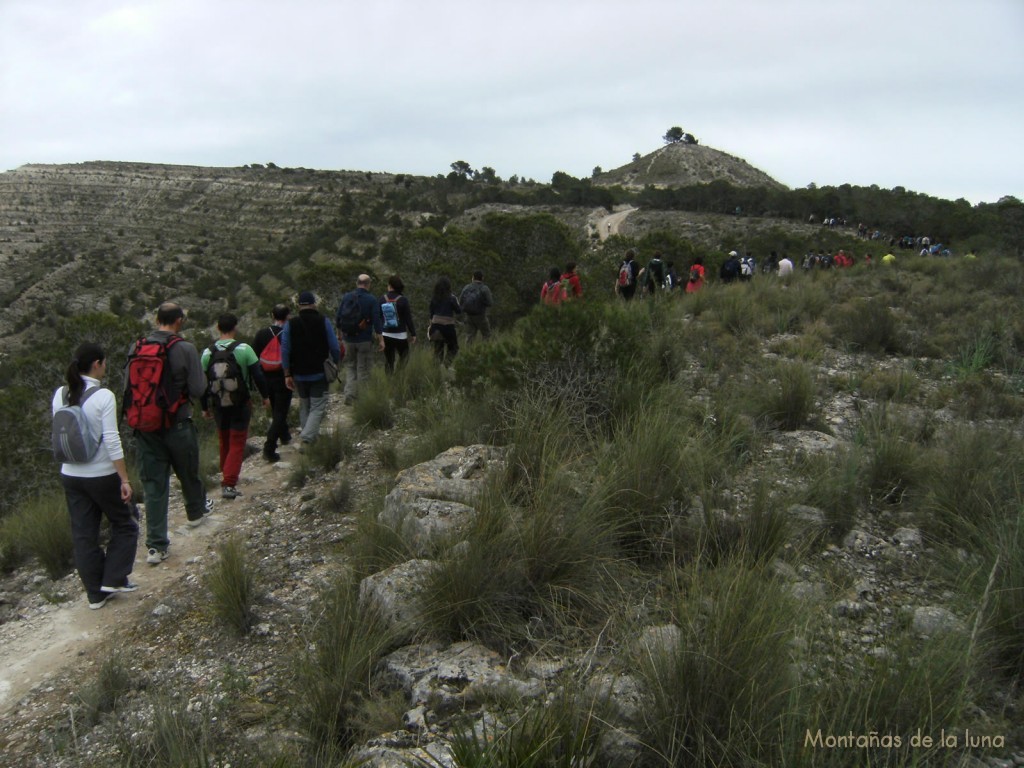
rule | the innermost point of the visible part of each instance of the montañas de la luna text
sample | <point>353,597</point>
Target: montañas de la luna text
<point>876,740</point>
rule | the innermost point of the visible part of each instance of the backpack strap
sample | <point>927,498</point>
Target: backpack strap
<point>65,395</point>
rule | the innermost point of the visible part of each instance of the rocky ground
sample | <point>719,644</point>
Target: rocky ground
<point>877,578</point>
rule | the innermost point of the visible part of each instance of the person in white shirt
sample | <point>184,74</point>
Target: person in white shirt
<point>100,487</point>
<point>785,267</point>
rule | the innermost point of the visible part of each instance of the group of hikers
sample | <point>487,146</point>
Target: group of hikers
<point>297,354</point>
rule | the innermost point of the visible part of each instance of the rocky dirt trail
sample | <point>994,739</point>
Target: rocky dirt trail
<point>607,226</point>
<point>57,628</point>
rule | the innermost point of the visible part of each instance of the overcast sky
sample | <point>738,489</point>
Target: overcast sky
<point>924,94</point>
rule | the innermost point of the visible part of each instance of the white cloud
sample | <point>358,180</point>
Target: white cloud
<point>923,95</point>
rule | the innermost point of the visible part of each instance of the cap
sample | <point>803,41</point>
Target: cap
<point>733,253</point>
<point>307,298</point>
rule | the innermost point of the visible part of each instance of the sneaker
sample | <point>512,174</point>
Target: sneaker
<point>155,556</point>
<point>286,440</point>
<point>209,505</point>
<point>230,492</point>
<point>95,606</point>
<point>197,522</point>
<point>128,586</point>
<point>271,456</point>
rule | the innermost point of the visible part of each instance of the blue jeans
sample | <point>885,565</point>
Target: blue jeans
<point>312,407</point>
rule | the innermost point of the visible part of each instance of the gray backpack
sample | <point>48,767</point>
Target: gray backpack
<point>72,439</point>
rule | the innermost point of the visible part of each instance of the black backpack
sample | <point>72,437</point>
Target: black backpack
<point>225,382</point>
<point>351,319</point>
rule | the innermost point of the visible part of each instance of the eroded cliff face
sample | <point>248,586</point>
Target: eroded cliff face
<point>125,236</point>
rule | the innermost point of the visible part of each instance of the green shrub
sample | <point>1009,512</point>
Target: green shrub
<point>835,487</point>
<point>232,584</point>
<point>897,386</point>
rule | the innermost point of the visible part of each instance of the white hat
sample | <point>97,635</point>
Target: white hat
<point>733,253</point>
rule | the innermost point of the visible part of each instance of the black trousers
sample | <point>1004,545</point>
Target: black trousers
<point>89,500</point>
<point>280,402</point>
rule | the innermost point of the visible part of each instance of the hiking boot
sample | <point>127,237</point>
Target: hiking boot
<point>128,586</point>
<point>271,456</point>
<point>95,605</point>
<point>156,556</point>
<point>230,492</point>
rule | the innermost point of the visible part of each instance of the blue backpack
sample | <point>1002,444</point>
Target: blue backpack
<point>389,311</point>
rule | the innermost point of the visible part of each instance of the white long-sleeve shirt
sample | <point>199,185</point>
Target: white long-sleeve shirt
<point>101,412</point>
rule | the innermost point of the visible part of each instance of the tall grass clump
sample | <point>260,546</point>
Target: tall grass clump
<point>917,685</point>
<point>835,486</point>
<point>977,478</point>
<point>787,402</point>
<point>650,466</point>
<point>866,326</point>
<point>112,682</point>
<point>175,738</point>
<point>344,645</point>
<point>564,733</point>
<point>447,419</point>
<point>232,585</point>
<point>39,528</point>
<point>720,694</point>
<point>373,408</point>
<point>420,376</point>
<point>895,460</point>
<point>324,454</point>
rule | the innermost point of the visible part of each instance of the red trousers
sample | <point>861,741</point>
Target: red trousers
<point>233,431</point>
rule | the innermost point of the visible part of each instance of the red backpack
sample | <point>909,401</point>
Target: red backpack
<point>150,403</point>
<point>270,357</point>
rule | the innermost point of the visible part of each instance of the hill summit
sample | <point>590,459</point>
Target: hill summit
<point>680,165</point>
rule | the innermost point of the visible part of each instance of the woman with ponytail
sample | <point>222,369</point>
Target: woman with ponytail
<point>98,488</point>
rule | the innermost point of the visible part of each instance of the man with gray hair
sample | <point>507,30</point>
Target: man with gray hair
<point>360,322</point>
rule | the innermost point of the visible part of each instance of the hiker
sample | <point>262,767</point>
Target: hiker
<point>554,291</point>
<point>574,288</point>
<point>626,284</point>
<point>443,309</point>
<point>671,278</point>
<point>307,342</point>
<point>99,487</point>
<point>359,320</point>
<point>785,267</point>
<point>170,442</point>
<point>696,278</point>
<point>232,368</point>
<point>748,268</point>
<point>267,346</point>
<point>730,270</point>
<point>398,329</point>
<point>475,300</point>
<point>655,274</point>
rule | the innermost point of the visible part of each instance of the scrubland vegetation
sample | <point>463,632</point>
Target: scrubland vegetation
<point>649,484</point>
